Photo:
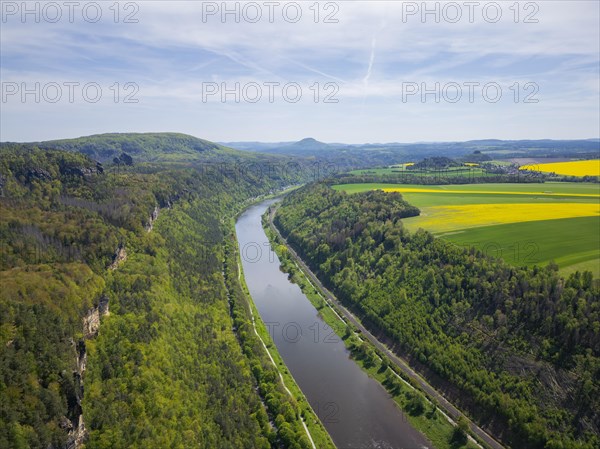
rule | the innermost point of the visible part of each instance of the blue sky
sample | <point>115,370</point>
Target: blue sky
<point>370,59</point>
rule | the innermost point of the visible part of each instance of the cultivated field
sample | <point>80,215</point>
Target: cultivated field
<point>525,224</point>
<point>472,170</point>
<point>572,168</point>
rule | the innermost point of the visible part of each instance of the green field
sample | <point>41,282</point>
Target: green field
<point>570,242</point>
<point>573,243</point>
<point>400,170</point>
<point>547,188</point>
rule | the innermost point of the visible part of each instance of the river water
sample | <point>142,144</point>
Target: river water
<point>355,409</point>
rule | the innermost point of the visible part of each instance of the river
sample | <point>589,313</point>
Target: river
<point>356,410</point>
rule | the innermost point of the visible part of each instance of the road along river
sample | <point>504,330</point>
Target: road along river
<point>356,410</point>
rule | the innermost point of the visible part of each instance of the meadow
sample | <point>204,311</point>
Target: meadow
<point>401,170</point>
<point>525,224</point>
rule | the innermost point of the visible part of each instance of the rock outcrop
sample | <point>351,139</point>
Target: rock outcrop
<point>38,173</point>
<point>77,433</point>
<point>91,321</point>
<point>120,256</point>
<point>152,219</point>
<point>81,171</point>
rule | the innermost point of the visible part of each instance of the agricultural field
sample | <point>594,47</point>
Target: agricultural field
<point>472,170</point>
<point>501,162</point>
<point>391,170</point>
<point>525,224</point>
<point>570,168</point>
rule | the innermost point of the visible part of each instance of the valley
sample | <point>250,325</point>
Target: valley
<point>153,335</point>
<point>300,225</point>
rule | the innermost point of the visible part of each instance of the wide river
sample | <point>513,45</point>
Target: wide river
<point>355,409</point>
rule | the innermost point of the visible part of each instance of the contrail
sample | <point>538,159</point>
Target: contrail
<point>371,59</point>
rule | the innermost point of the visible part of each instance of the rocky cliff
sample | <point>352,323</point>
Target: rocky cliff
<point>91,324</point>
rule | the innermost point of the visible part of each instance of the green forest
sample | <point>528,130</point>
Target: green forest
<point>146,250</point>
<point>123,321</point>
<point>516,347</point>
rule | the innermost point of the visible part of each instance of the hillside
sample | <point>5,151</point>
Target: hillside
<point>145,147</point>
<point>519,348</point>
<point>123,281</point>
<point>307,143</point>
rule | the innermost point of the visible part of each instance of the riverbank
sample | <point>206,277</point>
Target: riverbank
<point>315,431</point>
<point>355,409</point>
<point>420,409</point>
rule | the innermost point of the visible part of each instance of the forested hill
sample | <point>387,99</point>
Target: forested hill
<point>142,147</point>
<point>113,278</point>
<point>518,348</point>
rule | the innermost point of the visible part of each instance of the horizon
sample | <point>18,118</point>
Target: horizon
<point>300,140</point>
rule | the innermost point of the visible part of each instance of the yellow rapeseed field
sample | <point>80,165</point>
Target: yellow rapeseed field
<point>574,168</point>
<point>487,192</point>
<point>451,218</point>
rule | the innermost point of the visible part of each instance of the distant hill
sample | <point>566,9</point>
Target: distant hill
<point>380,154</point>
<point>142,147</point>
<point>182,148</point>
<point>255,146</point>
<point>307,144</point>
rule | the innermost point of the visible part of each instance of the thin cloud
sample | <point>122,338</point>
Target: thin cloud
<point>371,60</point>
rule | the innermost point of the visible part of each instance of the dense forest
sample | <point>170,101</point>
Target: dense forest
<point>517,347</point>
<point>140,249</point>
<point>123,322</point>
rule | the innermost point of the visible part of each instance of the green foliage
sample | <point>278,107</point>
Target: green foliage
<point>434,163</point>
<point>570,242</point>
<point>425,176</point>
<point>40,309</point>
<point>459,437</point>
<point>494,335</point>
<point>147,146</point>
<point>415,404</point>
<point>168,367</point>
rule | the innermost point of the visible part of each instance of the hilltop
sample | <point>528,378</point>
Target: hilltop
<point>147,147</point>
